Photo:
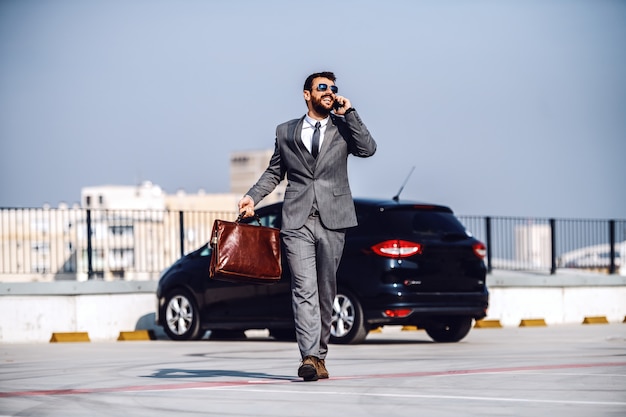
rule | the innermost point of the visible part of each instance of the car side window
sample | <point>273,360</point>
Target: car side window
<point>271,220</point>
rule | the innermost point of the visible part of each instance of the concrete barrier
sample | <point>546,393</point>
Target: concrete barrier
<point>565,298</point>
<point>33,312</point>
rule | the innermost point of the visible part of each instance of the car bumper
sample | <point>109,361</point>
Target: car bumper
<point>400,308</point>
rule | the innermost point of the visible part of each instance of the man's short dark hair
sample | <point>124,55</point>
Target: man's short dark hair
<point>308,84</point>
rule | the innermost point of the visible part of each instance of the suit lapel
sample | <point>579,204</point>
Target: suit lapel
<point>299,149</point>
<point>329,136</point>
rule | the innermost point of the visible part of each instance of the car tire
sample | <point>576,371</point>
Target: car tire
<point>181,316</point>
<point>449,329</point>
<point>348,326</point>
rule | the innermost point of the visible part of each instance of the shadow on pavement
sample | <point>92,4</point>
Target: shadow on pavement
<point>170,373</point>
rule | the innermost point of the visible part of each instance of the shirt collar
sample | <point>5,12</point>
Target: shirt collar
<point>312,121</point>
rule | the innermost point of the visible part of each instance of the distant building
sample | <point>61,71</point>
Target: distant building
<point>145,196</point>
<point>38,244</point>
<point>532,245</point>
<point>245,169</point>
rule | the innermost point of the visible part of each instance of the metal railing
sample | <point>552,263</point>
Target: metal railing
<point>536,244</point>
<point>47,244</point>
<point>81,244</point>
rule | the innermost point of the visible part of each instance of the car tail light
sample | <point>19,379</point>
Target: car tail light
<point>480,250</point>
<point>397,249</point>
<point>398,313</point>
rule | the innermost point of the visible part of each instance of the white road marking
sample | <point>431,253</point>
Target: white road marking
<point>421,396</point>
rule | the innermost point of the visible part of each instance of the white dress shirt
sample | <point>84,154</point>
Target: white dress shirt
<point>307,131</point>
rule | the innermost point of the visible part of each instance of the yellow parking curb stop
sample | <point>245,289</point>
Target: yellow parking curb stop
<point>409,328</point>
<point>70,337</point>
<point>532,322</point>
<point>137,335</point>
<point>595,320</point>
<point>485,324</point>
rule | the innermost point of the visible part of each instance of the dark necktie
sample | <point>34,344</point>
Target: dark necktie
<point>315,142</point>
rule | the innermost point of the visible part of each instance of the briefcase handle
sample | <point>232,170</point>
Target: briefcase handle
<point>239,219</point>
<point>256,217</point>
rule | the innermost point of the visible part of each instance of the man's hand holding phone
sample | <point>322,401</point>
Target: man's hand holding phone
<point>341,105</point>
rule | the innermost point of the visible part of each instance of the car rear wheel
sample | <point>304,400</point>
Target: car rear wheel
<point>181,316</point>
<point>449,329</point>
<point>347,325</point>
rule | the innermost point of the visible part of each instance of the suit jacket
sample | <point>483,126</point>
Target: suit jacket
<point>323,180</point>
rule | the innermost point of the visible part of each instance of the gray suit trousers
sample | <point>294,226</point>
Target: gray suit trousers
<point>313,253</point>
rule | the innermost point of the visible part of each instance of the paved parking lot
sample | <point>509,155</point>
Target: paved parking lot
<point>567,370</point>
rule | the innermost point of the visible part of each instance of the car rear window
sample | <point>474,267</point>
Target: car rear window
<point>421,222</point>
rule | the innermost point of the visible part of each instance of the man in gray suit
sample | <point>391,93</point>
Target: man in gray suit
<point>312,152</point>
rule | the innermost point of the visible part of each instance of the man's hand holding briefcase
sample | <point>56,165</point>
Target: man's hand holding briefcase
<point>245,253</point>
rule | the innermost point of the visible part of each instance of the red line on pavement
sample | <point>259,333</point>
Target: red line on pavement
<point>222,384</point>
<point>131,388</point>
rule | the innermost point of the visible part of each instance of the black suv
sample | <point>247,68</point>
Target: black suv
<point>406,263</point>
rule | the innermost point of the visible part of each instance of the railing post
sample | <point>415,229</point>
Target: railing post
<point>553,246</point>
<point>488,238</point>
<point>181,225</point>
<point>89,247</point>
<point>612,246</point>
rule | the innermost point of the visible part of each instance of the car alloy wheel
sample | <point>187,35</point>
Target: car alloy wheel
<point>347,326</point>
<point>181,321</point>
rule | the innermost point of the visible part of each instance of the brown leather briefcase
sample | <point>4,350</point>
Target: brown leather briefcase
<point>245,253</point>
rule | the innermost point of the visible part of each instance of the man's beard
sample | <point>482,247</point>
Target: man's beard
<point>319,107</point>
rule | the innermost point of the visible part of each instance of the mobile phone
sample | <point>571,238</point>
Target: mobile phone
<point>337,105</point>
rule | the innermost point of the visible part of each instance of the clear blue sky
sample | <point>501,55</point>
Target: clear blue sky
<point>513,108</point>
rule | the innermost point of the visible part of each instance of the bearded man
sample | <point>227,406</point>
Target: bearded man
<point>312,153</point>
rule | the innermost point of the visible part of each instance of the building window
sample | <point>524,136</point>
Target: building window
<point>121,259</point>
<point>40,268</point>
<point>121,230</point>
<point>240,160</point>
<point>41,247</point>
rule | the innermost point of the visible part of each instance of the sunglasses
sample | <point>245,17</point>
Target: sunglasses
<point>324,87</point>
